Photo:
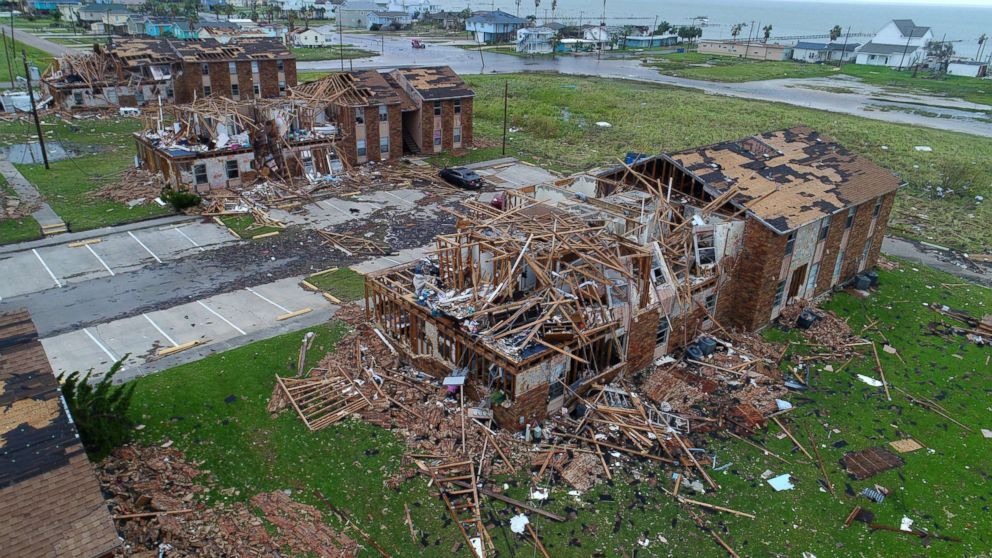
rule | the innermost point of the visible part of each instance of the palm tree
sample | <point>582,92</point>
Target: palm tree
<point>554,6</point>
<point>767,32</point>
<point>981,46</point>
<point>736,30</point>
<point>835,33</point>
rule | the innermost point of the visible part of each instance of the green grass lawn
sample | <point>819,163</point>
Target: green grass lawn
<point>16,230</point>
<point>304,76</point>
<point>976,90</point>
<point>334,52</point>
<point>244,226</point>
<point>36,56</point>
<point>694,65</point>
<point>344,284</point>
<point>944,489</point>
<point>77,135</point>
<point>556,117</point>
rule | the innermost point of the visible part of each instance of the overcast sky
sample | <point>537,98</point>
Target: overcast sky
<point>982,3</point>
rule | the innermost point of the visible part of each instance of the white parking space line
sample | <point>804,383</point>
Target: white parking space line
<point>327,203</point>
<point>397,262</point>
<point>158,329</point>
<point>52,275</point>
<point>143,246</point>
<point>97,256</point>
<point>102,347</point>
<point>228,322</point>
<point>399,198</point>
<point>279,306</point>
<point>191,241</point>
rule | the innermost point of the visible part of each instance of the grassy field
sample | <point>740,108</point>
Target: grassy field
<point>943,489</point>
<point>556,118</point>
<point>335,52</point>
<point>344,284</point>
<point>16,230</point>
<point>105,148</point>
<point>694,65</point>
<point>309,75</point>
<point>37,57</point>
<point>976,90</point>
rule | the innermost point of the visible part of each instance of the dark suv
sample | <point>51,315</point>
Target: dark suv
<point>461,177</point>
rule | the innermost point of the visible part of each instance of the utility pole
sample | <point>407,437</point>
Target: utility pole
<point>34,111</point>
<point>843,52</point>
<point>748,46</point>
<point>13,44</point>
<point>506,94</point>
<point>6,53</point>
<point>906,48</point>
<point>340,44</point>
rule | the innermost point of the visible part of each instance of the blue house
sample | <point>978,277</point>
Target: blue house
<point>495,27</point>
<point>177,27</point>
<point>50,6</point>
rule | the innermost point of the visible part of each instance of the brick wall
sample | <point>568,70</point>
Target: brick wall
<point>532,405</point>
<point>856,239</point>
<point>245,81</point>
<point>467,122</point>
<point>641,340</point>
<point>686,327</point>
<point>447,125</point>
<point>395,132</point>
<point>188,81</point>
<point>748,302</point>
<point>346,124</point>
<point>289,70</point>
<point>372,133</point>
<point>880,228</point>
<point>427,128</point>
<point>268,73</point>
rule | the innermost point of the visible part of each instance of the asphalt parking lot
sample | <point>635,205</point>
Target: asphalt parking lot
<point>50,267</point>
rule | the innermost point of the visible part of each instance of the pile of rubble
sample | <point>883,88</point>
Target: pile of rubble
<point>826,330</point>
<point>156,503</point>
<point>132,186</point>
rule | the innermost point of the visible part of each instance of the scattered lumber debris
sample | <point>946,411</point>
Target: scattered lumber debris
<point>352,245</point>
<point>976,330</point>
<point>131,186</point>
<point>154,497</point>
<point>870,462</point>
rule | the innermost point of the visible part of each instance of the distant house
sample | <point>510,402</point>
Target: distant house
<point>824,52</point>
<point>413,7</point>
<point>355,13</point>
<point>385,19</point>
<point>177,27</point>
<point>494,27</point>
<point>968,68</point>
<point>50,6</point>
<point>449,21</point>
<point>575,45</point>
<point>106,18</point>
<point>651,41</point>
<point>897,45</point>
<point>744,49</point>
<point>308,38</point>
<point>605,35</point>
<point>69,10</point>
<point>535,40</point>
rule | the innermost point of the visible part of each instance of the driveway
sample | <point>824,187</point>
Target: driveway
<point>943,114</point>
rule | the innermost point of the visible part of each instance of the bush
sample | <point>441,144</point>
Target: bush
<point>180,200</point>
<point>100,411</point>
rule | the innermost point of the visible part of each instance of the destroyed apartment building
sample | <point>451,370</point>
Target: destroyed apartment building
<point>548,290</point>
<point>221,143</point>
<point>409,111</point>
<point>139,71</point>
<point>50,498</point>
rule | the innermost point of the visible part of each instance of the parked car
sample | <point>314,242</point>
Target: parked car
<point>461,177</point>
<point>417,43</point>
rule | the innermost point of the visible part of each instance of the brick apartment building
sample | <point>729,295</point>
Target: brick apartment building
<point>643,259</point>
<point>135,72</point>
<point>409,111</point>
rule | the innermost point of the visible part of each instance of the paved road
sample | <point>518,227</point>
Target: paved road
<point>398,52</point>
<point>39,43</point>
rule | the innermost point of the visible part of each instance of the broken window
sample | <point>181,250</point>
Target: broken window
<point>790,243</point>
<point>458,106</point>
<point>200,174</point>
<point>232,68</point>
<point>437,108</point>
<point>361,147</point>
<point>705,248</point>
<point>232,169</point>
<point>254,66</point>
<point>811,280</point>
<point>77,97</point>
<point>878,208</point>
<point>383,113</point>
<point>384,146</point>
<point>837,267</point>
<point>664,327</point>
<point>256,90</point>
<point>824,228</point>
<point>280,65</point>
<point>359,116</point>
<point>437,138</point>
<point>458,134</point>
<point>206,91</point>
<point>282,88</point>
<point>205,69</point>
<point>850,217</point>
<point>235,91</point>
<point>779,293</point>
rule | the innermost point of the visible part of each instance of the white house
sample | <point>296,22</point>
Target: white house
<point>355,13</point>
<point>535,40</point>
<point>384,19</point>
<point>494,27</point>
<point>968,68</point>
<point>308,38</point>
<point>897,45</point>
<point>824,52</point>
<point>413,7</point>
<point>603,34</point>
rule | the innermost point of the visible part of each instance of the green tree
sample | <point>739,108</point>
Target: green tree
<point>835,33</point>
<point>663,28</point>
<point>100,410</point>
<point>941,53</point>
<point>736,29</point>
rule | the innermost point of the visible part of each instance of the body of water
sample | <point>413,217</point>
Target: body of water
<point>964,23</point>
